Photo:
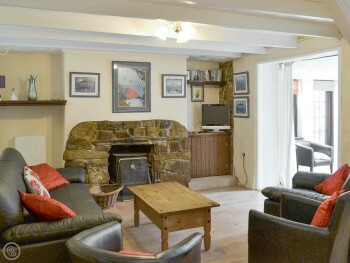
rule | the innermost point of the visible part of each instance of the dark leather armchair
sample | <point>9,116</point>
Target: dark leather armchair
<point>102,243</point>
<point>307,154</point>
<point>292,239</point>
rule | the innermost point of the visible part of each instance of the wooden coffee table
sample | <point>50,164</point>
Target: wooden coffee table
<point>173,207</point>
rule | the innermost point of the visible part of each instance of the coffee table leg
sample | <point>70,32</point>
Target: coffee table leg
<point>136,212</point>
<point>164,233</point>
<point>207,228</point>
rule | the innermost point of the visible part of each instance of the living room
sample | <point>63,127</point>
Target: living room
<point>28,52</point>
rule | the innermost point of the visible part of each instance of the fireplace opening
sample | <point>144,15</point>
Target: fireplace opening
<point>119,153</point>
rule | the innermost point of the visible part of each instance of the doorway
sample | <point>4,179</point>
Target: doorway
<point>315,110</point>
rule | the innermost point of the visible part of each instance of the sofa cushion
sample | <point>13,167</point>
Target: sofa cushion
<point>50,178</point>
<point>335,182</point>
<point>275,193</point>
<point>45,208</point>
<point>54,230</point>
<point>77,197</point>
<point>11,212</point>
<point>33,183</point>
<point>325,210</point>
<point>15,158</point>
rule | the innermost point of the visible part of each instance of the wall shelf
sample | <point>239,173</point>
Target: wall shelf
<point>203,82</point>
<point>32,103</point>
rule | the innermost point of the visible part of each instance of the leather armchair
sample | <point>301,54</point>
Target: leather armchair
<point>102,243</point>
<point>306,156</point>
<point>275,239</point>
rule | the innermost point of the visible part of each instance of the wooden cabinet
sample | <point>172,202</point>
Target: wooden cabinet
<point>210,154</point>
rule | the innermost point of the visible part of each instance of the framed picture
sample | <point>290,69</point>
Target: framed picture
<point>84,84</point>
<point>241,107</point>
<point>131,86</point>
<point>188,75</point>
<point>197,93</point>
<point>173,86</point>
<point>241,83</point>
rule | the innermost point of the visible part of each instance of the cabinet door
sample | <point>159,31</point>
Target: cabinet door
<point>222,155</point>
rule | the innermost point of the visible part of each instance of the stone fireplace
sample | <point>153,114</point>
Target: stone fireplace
<point>165,143</point>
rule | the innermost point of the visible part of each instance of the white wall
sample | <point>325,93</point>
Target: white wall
<point>245,129</point>
<point>211,96</point>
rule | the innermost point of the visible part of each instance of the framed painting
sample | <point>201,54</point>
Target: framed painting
<point>84,84</point>
<point>173,86</point>
<point>241,107</point>
<point>131,86</point>
<point>197,93</point>
<point>241,83</point>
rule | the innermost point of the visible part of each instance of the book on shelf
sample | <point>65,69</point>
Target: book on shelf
<point>206,75</point>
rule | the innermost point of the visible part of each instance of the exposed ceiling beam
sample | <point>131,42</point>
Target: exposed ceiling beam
<point>340,10</point>
<point>305,9</point>
<point>148,10</point>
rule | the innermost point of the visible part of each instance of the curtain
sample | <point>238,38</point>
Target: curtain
<point>286,163</point>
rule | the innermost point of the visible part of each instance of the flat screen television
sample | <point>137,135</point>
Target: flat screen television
<point>215,117</point>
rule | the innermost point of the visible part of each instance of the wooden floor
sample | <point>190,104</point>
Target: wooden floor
<point>229,224</point>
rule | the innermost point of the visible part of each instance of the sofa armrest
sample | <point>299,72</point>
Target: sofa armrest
<point>322,148</point>
<point>275,239</point>
<point>73,174</point>
<point>298,209</point>
<point>47,231</point>
<point>308,180</point>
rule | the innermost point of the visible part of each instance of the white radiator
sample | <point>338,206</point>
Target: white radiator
<point>33,148</point>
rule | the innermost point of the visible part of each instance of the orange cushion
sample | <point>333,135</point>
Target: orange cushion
<point>335,182</point>
<point>325,210</point>
<point>43,208</point>
<point>131,252</point>
<point>49,177</point>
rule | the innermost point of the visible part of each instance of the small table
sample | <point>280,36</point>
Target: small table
<point>173,207</point>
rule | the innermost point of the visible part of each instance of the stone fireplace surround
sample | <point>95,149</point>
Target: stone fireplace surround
<point>89,145</point>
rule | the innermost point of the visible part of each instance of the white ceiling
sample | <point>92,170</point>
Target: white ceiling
<point>226,29</point>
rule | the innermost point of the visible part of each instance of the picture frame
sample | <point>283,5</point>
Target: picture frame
<point>131,82</point>
<point>83,84</point>
<point>241,107</point>
<point>188,75</point>
<point>173,86</point>
<point>197,93</point>
<point>241,83</point>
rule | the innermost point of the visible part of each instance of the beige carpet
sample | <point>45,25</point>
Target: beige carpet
<point>229,225</point>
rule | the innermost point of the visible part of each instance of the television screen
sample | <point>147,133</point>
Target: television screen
<point>215,116</point>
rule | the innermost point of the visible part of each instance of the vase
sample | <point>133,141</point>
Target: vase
<point>32,95</point>
<point>13,94</point>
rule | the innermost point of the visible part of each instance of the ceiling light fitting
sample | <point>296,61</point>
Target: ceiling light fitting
<point>183,31</point>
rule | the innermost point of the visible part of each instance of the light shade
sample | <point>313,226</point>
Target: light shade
<point>184,32</point>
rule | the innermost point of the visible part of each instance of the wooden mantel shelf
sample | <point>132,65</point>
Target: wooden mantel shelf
<point>32,103</point>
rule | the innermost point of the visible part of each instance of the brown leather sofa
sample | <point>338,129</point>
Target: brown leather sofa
<point>303,184</point>
<point>291,239</point>
<point>43,241</point>
<point>101,243</point>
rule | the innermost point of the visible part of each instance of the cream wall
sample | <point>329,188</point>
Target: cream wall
<point>245,133</point>
<point>30,120</point>
<point>94,109</point>
<point>211,96</point>
<point>55,122</point>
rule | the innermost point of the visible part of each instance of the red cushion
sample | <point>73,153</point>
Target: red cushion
<point>50,178</point>
<point>325,210</point>
<point>335,182</point>
<point>131,252</point>
<point>43,208</point>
